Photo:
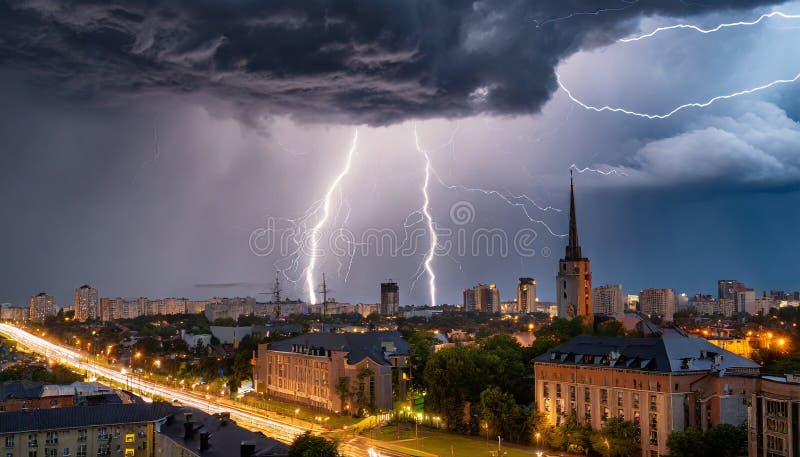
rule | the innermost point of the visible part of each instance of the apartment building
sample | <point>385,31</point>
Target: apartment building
<point>663,384</point>
<point>774,424</point>
<point>307,369</point>
<point>83,431</point>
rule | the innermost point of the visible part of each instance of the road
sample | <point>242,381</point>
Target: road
<point>246,417</point>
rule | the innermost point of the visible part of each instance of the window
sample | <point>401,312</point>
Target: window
<point>776,408</point>
<point>10,441</point>
<point>129,437</point>
<point>66,452</point>
<point>558,390</point>
<point>32,454</point>
<point>587,413</point>
<point>587,395</point>
<point>82,434</point>
<point>129,452</point>
<point>636,399</point>
<point>603,396</point>
<point>774,443</point>
<point>571,393</point>
<point>619,398</point>
<point>81,450</point>
<point>545,390</point>
<point>653,404</point>
<point>621,414</point>
<point>51,438</point>
<point>102,433</point>
<point>32,442</point>
<point>50,452</point>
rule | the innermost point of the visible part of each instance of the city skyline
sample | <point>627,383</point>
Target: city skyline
<point>141,185</point>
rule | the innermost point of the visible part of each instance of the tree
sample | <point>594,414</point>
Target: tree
<point>449,374</point>
<point>502,414</point>
<point>343,389</point>
<point>419,351</point>
<point>611,327</point>
<point>308,445</point>
<point>688,443</point>
<point>616,439</point>
<point>365,401</point>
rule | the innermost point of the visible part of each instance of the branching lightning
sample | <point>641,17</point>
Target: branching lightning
<point>708,102</point>
<point>594,170</point>
<point>326,205</point>
<point>597,12</point>
<point>426,201</point>
<point>711,30</point>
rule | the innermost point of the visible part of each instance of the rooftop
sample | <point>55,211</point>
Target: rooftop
<point>665,354</point>
<point>373,345</point>
<point>223,435</point>
<point>83,416</point>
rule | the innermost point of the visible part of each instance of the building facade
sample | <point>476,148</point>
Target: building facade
<point>774,422</point>
<point>307,369</point>
<point>41,306</point>
<point>14,313</point>
<point>390,298</point>
<point>86,303</point>
<point>662,384</point>
<point>574,278</point>
<point>526,295</point>
<point>657,303</point>
<point>608,299</point>
<point>127,430</point>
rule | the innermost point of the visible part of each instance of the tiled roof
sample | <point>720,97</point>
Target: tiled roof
<point>357,345</point>
<point>20,389</point>
<point>82,416</point>
<point>665,354</point>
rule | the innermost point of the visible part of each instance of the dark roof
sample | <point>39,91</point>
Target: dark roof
<point>357,345</point>
<point>225,436</point>
<point>666,354</point>
<point>20,389</point>
<point>83,416</point>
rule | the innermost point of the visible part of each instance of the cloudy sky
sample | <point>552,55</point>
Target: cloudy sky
<point>187,149</point>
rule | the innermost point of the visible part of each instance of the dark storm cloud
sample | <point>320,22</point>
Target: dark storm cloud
<point>373,61</point>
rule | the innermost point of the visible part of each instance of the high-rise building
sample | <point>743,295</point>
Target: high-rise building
<point>632,302</point>
<point>390,298</point>
<point>727,288</point>
<point>607,299</point>
<point>746,301</point>
<point>487,298</point>
<point>41,307</point>
<point>574,279</point>
<point>657,302</point>
<point>526,295</point>
<point>469,300</point>
<point>86,304</point>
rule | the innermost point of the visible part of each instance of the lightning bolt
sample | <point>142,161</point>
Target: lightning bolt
<point>326,205</point>
<point>433,238</point>
<point>597,12</point>
<point>711,30</point>
<point>594,170</point>
<point>704,104</point>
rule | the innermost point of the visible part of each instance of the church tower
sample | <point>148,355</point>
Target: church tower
<point>574,279</point>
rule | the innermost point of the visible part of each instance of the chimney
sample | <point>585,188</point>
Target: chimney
<point>188,431</point>
<point>204,440</point>
<point>247,449</point>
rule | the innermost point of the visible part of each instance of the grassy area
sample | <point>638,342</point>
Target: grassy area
<point>443,444</point>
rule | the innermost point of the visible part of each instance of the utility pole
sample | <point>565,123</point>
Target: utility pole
<point>276,289</point>
<point>324,291</point>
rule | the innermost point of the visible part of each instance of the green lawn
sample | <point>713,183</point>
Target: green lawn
<point>445,444</point>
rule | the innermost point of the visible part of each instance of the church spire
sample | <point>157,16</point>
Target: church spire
<point>573,248</point>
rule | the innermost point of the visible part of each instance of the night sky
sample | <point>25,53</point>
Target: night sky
<point>151,150</point>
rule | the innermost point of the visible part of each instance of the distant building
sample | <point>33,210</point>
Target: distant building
<point>727,288</point>
<point>526,295</point>
<point>86,303</point>
<point>307,369</point>
<point>739,346</point>
<point>469,300</point>
<point>608,299</point>
<point>681,302</point>
<point>574,279</point>
<point>657,303</point>
<point>662,384</point>
<point>711,306</point>
<point>487,298</point>
<point>746,301</point>
<point>14,313</point>
<point>632,302</point>
<point>41,307</point>
<point>390,298</point>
